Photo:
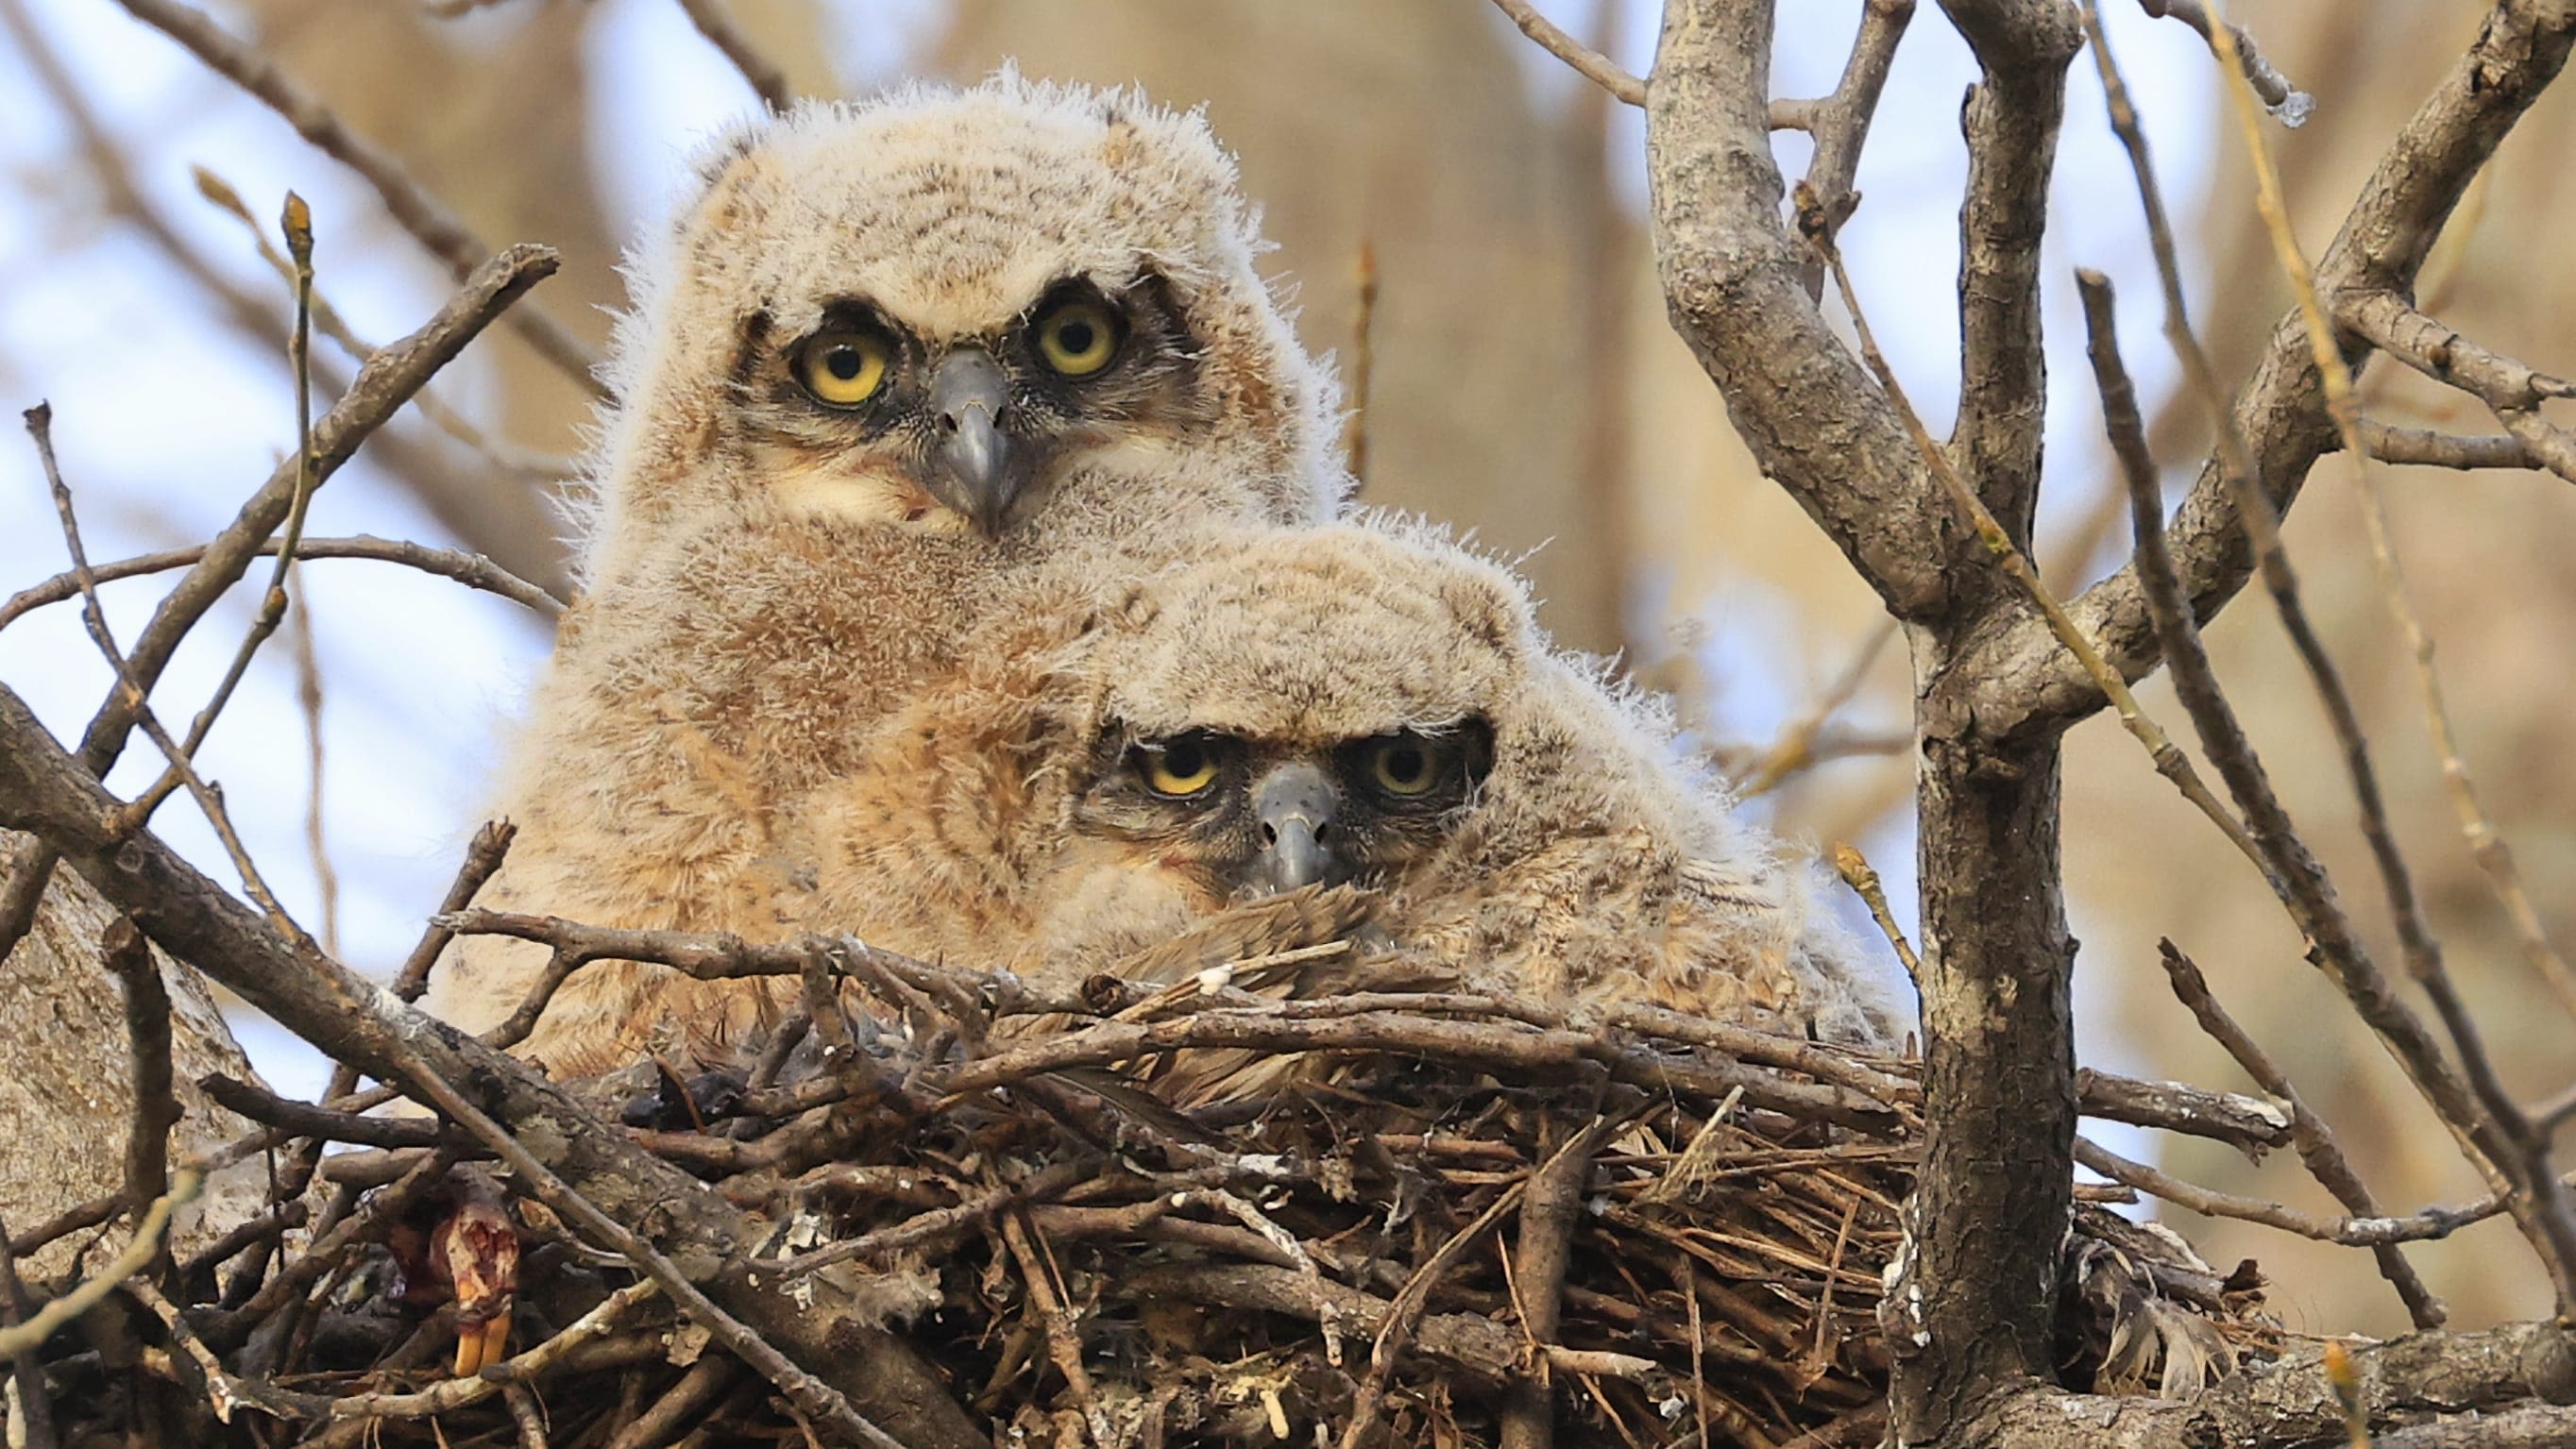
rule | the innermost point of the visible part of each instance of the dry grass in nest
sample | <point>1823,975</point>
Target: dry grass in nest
<point>1454,1214</point>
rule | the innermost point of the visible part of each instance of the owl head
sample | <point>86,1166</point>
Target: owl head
<point>1302,705</point>
<point>956,311</point>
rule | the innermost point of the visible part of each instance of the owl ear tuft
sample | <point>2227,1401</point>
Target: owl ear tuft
<point>1492,613</point>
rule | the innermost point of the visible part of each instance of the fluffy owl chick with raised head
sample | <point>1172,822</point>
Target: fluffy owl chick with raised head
<point>894,356</point>
<point>1362,704</point>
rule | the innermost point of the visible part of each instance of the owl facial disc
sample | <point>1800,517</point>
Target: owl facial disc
<point>973,469</point>
<point>1295,804</point>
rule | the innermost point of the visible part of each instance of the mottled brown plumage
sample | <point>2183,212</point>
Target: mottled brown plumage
<point>1519,821</point>
<point>862,398</point>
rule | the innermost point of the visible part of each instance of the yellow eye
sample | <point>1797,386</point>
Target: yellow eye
<point>843,369</point>
<point>1078,338</point>
<point>1406,765</point>
<point>1178,768</point>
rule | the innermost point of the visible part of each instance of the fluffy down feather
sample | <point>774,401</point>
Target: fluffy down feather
<point>753,612</point>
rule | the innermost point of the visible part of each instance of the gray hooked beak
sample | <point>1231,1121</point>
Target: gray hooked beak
<point>972,470</point>
<point>1295,804</point>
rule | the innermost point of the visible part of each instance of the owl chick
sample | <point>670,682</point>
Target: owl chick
<point>1366,704</point>
<point>894,356</point>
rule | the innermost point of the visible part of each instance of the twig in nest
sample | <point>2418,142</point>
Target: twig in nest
<point>707,1380</point>
<point>1549,1210</point>
<point>2309,1133</point>
<point>1591,64</point>
<point>1064,1338</point>
<point>138,1255</point>
<point>362,1413</point>
<point>1395,1332</point>
<point>364,1225</point>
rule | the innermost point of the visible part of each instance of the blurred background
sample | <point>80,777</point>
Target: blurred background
<point>1525,385</point>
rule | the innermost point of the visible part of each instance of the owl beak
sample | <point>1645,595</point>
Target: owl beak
<point>1294,804</point>
<point>972,470</point>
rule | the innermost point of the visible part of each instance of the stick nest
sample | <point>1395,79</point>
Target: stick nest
<point>1161,1223</point>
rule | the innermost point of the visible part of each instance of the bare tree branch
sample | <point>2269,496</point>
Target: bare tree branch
<point>2316,1141</point>
<point>47,792</point>
<point>382,386</point>
<point>426,217</point>
<point>1733,287</point>
<point>1591,64</point>
<point>2027,683</point>
<point>470,569</point>
<point>2287,101</point>
<point>2424,448</point>
<point>2012,120</point>
<point>1840,122</point>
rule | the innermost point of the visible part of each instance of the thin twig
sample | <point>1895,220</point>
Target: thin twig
<point>129,690</point>
<point>2169,759</point>
<point>1840,122</point>
<point>2425,448</point>
<point>2297,877</point>
<point>1063,1336</point>
<point>2546,1214</point>
<point>470,569</point>
<point>1395,1331</point>
<point>35,1404</point>
<point>1591,64</point>
<point>327,320</point>
<point>137,1256</point>
<point>2285,100</point>
<point>767,81</point>
<point>1797,747</point>
<point>308,699</point>
<point>1862,877</point>
<point>380,388</point>
<point>1549,1211</point>
<point>419,213</point>
<point>2314,1139</point>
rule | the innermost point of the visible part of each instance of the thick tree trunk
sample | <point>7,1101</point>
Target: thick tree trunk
<point>1999,1077</point>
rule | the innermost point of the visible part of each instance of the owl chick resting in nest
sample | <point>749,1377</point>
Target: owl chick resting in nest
<point>894,357</point>
<point>1297,710</point>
